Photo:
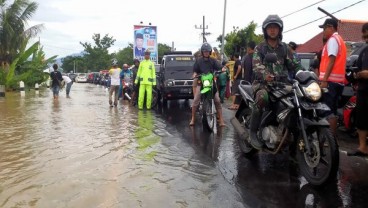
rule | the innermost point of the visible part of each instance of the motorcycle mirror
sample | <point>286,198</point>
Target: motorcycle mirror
<point>270,58</point>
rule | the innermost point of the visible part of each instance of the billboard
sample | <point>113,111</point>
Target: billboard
<point>145,38</point>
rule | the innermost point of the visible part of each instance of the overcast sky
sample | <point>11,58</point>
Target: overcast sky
<point>68,22</point>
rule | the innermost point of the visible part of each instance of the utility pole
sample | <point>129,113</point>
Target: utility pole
<point>223,34</point>
<point>203,27</point>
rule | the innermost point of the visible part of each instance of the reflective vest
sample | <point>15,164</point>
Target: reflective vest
<point>338,70</point>
<point>146,73</point>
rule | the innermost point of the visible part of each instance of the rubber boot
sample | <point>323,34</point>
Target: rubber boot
<point>255,120</point>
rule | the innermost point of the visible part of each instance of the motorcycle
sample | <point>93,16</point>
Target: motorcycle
<point>128,90</point>
<point>208,109</point>
<point>292,121</point>
<point>348,112</point>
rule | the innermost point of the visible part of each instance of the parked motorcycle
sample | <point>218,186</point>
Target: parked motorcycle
<point>292,121</point>
<point>348,112</point>
<point>128,90</point>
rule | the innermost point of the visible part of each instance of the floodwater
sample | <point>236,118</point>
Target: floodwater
<point>79,152</point>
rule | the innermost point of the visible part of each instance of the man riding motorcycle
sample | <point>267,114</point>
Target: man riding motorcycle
<point>265,72</point>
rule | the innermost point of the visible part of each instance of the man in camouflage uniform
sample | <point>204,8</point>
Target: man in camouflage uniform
<point>264,72</point>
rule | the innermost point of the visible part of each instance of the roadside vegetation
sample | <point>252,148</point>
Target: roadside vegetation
<point>20,61</point>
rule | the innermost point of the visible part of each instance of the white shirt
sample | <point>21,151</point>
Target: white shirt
<point>66,79</point>
<point>115,76</point>
<point>332,46</point>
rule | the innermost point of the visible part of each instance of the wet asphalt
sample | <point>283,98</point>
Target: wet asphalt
<point>79,152</point>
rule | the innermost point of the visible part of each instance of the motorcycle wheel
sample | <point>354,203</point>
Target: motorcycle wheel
<point>154,98</point>
<point>244,119</point>
<point>322,165</point>
<point>207,115</point>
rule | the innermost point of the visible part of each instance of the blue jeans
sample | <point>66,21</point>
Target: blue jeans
<point>68,86</point>
<point>55,90</point>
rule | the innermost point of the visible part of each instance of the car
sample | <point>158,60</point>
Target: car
<point>81,77</point>
<point>174,79</point>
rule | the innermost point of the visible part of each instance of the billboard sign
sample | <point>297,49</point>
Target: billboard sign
<point>145,38</point>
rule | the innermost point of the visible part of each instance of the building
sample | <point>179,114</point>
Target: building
<point>350,31</point>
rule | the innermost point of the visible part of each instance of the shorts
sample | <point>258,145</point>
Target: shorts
<point>235,88</point>
<point>361,110</point>
<point>55,90</point>
<point>331,98</point>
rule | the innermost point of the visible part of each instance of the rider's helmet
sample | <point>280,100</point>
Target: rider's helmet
<point>206,47</point>
<point>136,61</point>
<point>114,62</point>
<point>272,19</point>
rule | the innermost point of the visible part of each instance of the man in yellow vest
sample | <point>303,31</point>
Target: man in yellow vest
<point>146,76</point>
<point>332,69</point>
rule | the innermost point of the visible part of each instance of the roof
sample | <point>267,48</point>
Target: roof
<point>350,30</point>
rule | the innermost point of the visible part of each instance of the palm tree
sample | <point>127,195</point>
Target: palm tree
<point>13,31</point>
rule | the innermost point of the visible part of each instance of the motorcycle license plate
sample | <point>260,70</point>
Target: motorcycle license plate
<point>317,106</point>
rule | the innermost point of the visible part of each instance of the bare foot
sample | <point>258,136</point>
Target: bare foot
<point>222,124</point>
<point>191,123</point>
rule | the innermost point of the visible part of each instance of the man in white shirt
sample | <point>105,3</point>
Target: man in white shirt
<point>115,82</point>
<point>69,83</point>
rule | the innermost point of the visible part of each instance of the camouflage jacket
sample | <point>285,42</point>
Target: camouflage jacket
<point>286,63</point>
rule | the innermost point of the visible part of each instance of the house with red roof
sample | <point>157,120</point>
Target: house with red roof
<point>350,31</point>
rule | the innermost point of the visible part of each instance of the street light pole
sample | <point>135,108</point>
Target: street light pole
<point>223,34</point>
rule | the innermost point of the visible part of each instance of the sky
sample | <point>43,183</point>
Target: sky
<point>69,22</point>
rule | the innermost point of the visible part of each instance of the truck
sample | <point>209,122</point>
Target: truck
<point>174,79</point>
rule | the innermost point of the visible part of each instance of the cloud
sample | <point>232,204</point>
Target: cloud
<point>68,22</point>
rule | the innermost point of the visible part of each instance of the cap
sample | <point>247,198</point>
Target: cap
<point>293,45</point>
<point>329,22</point>
<point>147,52</point>
<point>139,35</point>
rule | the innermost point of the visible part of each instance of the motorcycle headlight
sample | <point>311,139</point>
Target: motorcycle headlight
<point>313,91</point>
<point>206,83</point>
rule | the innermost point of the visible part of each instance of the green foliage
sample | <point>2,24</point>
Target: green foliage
<point>236,41</point>
<point>162,48</point>
<point>97,56</point>
<point>28,67</point>
<point>125,56</point>
<point>13,33</point>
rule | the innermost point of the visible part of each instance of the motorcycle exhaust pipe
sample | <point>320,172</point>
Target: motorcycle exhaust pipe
<point>239,128</point>
<point>126,94</point>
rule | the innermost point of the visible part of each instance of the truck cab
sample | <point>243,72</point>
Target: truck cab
<point>175,76</point>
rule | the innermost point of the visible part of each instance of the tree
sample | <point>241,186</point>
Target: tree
<point>236,41</point>
<point>162,48</point>
<point>97,57</point>
<point>13,32</point>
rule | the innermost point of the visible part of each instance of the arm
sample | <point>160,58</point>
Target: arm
<point>362,74</point>
<point>330,65</point>
<point>238,71</point>
<point>137,78</point>
<point>259,70</point>
<point>153,74</point>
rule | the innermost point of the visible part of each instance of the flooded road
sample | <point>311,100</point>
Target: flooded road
<point>79,152</point>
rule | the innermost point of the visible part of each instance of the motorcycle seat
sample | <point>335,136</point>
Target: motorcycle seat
<point>248,88</point>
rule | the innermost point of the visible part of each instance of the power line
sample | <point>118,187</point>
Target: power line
<point>302,9</point>
<point>324,16</point>
<point>294,12</point>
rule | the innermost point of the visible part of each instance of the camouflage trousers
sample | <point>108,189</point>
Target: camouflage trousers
<point>261,99</point>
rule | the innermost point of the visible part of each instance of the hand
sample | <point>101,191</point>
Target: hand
<point>323,84</point>
<point>269,77</point>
